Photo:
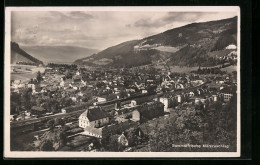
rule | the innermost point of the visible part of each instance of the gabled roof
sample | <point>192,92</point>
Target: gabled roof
<point>228,90</point>
<point>94,114</point>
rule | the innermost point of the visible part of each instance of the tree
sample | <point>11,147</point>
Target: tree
<point>47,146</point>
<point>26,99</point>
<point>199,106</point>
<point>59,121</point>
<point>15,102</point>
<point>39,76</point>
<point>51,124</point>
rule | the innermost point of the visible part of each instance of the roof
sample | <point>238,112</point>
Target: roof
<point>228,90</point>
<point>219,79</point>
<point>94,114</point>
<point>125,110</point>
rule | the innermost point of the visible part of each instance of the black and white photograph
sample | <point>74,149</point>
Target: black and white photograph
<point>83,82</point>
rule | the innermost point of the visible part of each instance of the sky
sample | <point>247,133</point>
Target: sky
<point>98,29</point>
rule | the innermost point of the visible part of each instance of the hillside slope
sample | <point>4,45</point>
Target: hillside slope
<point>19,55</point>
<point>59,54</point>
<point>189,45</point>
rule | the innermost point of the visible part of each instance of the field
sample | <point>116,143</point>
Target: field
<point>167,49</point>
<point>230,69</point>
<point>219,53</point>
<point>177,68</point>
<point>25,72</point>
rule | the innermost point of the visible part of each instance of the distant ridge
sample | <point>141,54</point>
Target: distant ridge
<point>195,44</point>
<point>19,55</point>
<point>63,54</point>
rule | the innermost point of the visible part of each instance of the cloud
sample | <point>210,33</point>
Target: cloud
<point>97,29</point>
<point>80,15</point>
<point>146,23</point>
<point>182,16</point>
<point>168,18</point>
<point>128,25</point>
<point>68,16</point>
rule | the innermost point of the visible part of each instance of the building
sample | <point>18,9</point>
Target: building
<point>227,96</point>
<point>165,101</point>
<point>77,78</point>
<point>219,80</point>
<point>179,98</point>
<point>101,99</point>
<point>123,140</point>
<point>144,91</point>
<point>108,130</point>
<point>215,98</point>
<point>93,117</point>
<point>179,86</point>
<point>34,86</point>
<point>227,93</point>
<point>200,99</point>
<point>125,113</point>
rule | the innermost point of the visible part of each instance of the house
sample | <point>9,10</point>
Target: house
<point>197,81</point>
<point>77,78</point>
<point>108,130</point>
<point>179,86</point>
<point>101,99</point>
<point>78,72</point>
<point>219,80</point>
<point>34,86</point>
<point>17,84</point>
<point>179,98</point>
<point>144,91</point>
<point>125,113</point>
<point>201,99</point>
<point>93,117</point>
<point>73,98</point>
<point>215,98</point>
<point>165,101</point>
<point>227,93</point>
<point>123,140</point>
<point>76,86</point>
<point>191,94</point>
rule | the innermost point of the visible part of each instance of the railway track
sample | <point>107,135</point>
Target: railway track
<point>42,119</point>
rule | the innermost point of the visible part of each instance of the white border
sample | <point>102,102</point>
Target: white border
<point>25,154</point>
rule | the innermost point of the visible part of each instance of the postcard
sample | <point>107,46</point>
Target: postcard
<point>122,82</point>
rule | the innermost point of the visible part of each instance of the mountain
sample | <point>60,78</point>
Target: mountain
<point>19,55</point>
<point>59,54</point>
<point>189,45</point>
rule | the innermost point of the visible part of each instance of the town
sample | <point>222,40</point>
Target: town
<point>76,108</point>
